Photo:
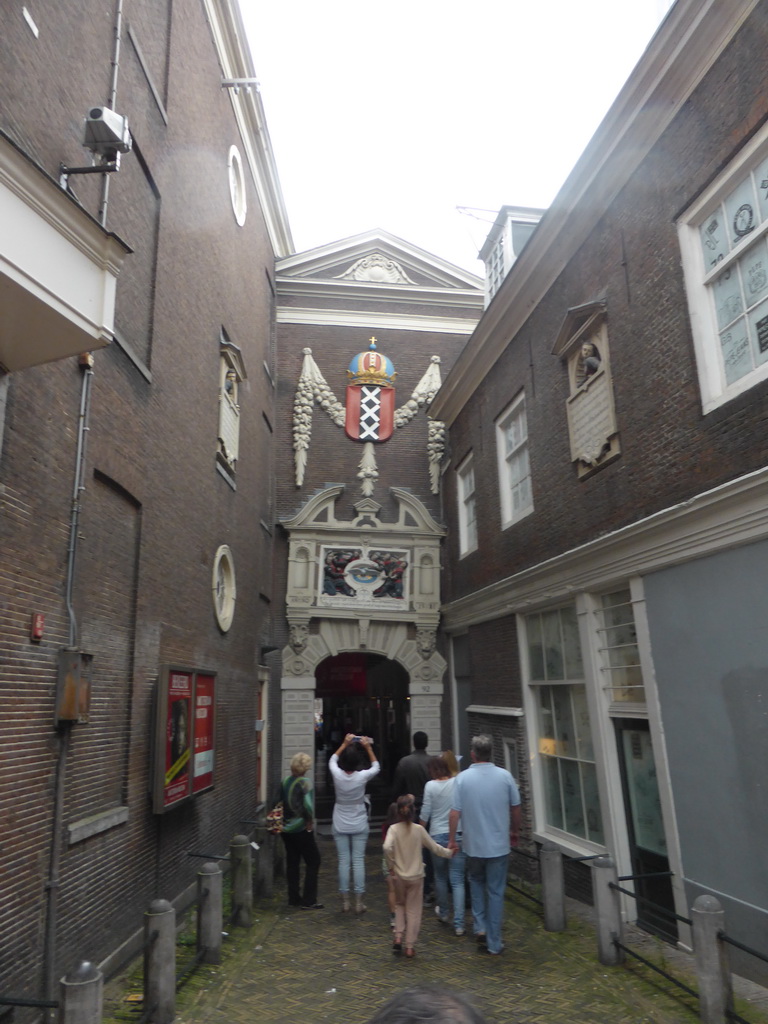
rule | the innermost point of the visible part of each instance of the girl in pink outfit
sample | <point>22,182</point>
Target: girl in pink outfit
<point>402,849</point>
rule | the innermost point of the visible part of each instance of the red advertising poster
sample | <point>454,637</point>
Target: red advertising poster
<point>202,759</point>
<point>185,735</point>
<point>178,737</point>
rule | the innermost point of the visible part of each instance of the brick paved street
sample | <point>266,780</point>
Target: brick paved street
<point>306,967</point>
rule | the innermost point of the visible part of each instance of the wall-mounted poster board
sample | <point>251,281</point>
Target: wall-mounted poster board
<point>184,735</point>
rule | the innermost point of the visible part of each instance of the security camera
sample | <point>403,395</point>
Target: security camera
<point>106,132</point>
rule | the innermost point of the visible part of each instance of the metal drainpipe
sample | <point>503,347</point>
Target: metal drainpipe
<point>111,104</point>
<point>79,487</point>
<point>52,885</point>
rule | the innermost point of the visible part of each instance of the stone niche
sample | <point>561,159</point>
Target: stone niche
<point>582,345</point>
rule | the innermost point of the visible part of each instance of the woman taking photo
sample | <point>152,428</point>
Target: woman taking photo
<point>350,813</point>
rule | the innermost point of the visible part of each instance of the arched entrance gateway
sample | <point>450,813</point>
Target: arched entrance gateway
<point>363,601</point>
<point>365,694</point>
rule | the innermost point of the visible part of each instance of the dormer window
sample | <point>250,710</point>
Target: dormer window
<point>506,239</point>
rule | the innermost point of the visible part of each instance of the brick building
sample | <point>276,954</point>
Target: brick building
<point>359,504</point>
<point>218,494</point>
<point>606,499</point>
<point>137,415</point>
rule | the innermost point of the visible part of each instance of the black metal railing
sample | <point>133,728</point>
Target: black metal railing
<point>46,1004</point>
<point>657,969</point>
<point>658,908</point>
<point>671,915</point>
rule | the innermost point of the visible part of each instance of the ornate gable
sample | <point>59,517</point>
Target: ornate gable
<point>378,258</point>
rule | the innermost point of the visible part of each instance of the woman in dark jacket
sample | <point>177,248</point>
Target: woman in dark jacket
<point>299,834</point>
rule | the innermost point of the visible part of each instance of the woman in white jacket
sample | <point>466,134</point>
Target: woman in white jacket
<point>350,813</point>
<point>403,850</point>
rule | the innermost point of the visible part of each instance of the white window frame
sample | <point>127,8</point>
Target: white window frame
<point>507,487</point>
<point>467,500</point>
<point>544,828</point>
<point>621,671</point>
<point>496,265</point>
<point>700,279</point>
<point>224,587</point>
<point>237,193</point>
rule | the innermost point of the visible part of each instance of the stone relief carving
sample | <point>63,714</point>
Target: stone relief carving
<point>377,268</point>
<point>591,416</point>
<point>299,637</point>
<point>349,572</point>
<point>229,415</point>
<point>435,452</point>
<point>312,387</point>
<point>426,642</point>
<point>368,472</point>
<point>582,344</point>
<point>587,363</point>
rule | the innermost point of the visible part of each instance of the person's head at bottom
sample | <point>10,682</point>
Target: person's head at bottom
<point>428,1004</point>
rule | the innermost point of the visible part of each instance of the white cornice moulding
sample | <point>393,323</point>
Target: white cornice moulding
<point>726,517</point>
<point>365,291</point>
<point>689,41</point>
<point>234,54</point>
<point>490,709</point>
<point>390,321</point>
<point>58,269</point>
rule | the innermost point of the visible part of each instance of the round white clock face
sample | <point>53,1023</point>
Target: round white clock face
<point>224,589</point>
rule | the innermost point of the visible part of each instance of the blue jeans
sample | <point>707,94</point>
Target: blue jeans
<point>350,847</point>
<point>449,871</point>
<point>487,883</point>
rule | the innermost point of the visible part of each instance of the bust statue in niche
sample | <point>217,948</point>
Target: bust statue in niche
<point>588,363</point>
<point>230,386</point>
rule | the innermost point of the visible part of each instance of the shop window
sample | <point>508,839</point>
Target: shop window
<point>563,736</point>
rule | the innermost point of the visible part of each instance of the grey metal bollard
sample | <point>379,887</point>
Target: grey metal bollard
<point>209,913</point>
<point>242,881</point>
<point>552,887</point>
<point>711,957</point>
<point>160,962</point>
<point>608,911</point>
<point>81,995</point>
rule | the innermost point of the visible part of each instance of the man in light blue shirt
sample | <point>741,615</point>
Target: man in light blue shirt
<point>487,801</point>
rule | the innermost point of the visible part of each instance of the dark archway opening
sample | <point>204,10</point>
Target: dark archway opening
<point>366,694</point>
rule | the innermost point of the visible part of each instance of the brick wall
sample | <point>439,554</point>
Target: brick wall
<point>155,508</point>
<point>631,260</point>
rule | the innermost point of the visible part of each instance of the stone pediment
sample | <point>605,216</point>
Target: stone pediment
<point>379,259</point>
<point>363,568</point>
<point>318,513</point>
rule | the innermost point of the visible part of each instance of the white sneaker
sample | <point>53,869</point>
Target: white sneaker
<point>459,931</point>
<point>443,918</point>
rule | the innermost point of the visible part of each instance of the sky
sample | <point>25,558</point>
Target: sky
<point>394,114</point>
